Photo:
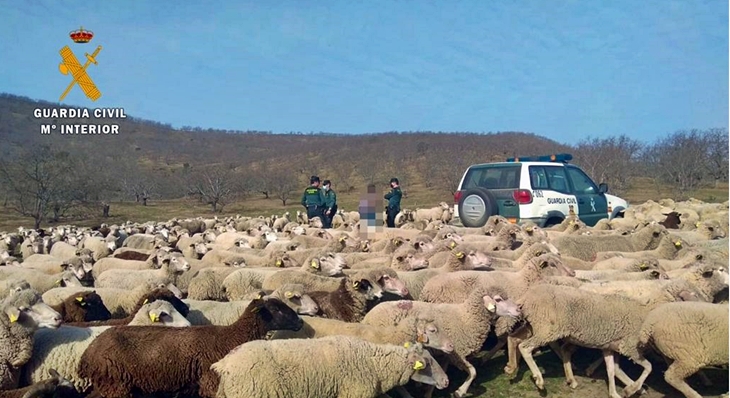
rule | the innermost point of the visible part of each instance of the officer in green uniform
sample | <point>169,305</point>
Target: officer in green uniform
<point>313,199</point>
<point>330,203</point>
<point>393,198</point>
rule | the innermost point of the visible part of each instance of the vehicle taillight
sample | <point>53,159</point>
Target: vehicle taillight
<point>457,196</point>
<point>523,196</point>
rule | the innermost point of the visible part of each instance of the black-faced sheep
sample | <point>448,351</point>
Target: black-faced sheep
<point>83,307</point>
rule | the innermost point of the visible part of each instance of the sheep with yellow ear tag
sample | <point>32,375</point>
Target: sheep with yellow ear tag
<point>352,367</point>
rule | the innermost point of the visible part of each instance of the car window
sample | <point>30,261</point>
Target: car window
<point>538,178</point>
<point>492,177</point>
<point>557,180</point>
<point>581,182</point>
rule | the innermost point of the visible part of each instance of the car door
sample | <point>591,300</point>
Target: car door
<point>592,205</point>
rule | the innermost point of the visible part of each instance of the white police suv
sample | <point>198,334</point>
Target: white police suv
<point>541,189</point>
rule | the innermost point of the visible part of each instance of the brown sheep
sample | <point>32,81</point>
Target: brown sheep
<point>152,360</point>
<point>672,221</point>
<point>348,303</point>
<point>83,307</point>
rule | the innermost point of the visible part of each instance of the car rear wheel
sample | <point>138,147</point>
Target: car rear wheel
<point>476,206</point>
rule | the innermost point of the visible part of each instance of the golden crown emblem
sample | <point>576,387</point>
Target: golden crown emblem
<point>81,35</point>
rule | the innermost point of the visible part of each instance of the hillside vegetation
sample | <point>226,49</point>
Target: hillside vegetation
<point>153,171</point>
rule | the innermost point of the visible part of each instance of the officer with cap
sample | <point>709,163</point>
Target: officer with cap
<point>393,198</point>
<point>313,199</point>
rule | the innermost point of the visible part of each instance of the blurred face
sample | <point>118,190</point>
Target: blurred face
<point>326,187</point>
<point>316,184</point>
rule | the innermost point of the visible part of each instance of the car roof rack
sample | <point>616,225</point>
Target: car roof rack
<point>559,157</point>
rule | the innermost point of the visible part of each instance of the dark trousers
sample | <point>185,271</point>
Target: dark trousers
<point>315,211</point>
<point>391,213</point>
<point>327,220</point>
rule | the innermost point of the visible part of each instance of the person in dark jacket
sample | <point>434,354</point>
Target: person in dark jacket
<point>330,203</point>
<point>393,197</point>
<point>313,199</point>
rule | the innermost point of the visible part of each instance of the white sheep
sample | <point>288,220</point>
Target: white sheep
<point>38,280</point>
<point>206,312</point>
<point>100,247</point>
<point>61,349</point>
<point>351,367</point>
<point>129,279</point>
<point>467,323</point>
<point>21,314</point>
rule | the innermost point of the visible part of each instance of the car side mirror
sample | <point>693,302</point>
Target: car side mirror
<point>602,187</point>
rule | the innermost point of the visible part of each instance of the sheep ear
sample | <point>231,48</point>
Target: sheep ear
<point>460,255</point>
<point>452,244</point>
<point>12,313</point>
<point>490,303</point>
<point>356,284</point>
<point>145,301</point>
<point>278,263</point>
<point>643,266</point>
<point>314,264</point>
<point>422,338</point>
<point>699,257</point>
<point>543,264</point>
<point>287,295</point>
<point>399,258</point>
<point>654,273</point>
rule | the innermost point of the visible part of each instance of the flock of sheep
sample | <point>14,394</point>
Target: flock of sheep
<point>279,307</point>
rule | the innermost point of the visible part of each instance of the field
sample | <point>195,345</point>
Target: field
<point>418,196</point>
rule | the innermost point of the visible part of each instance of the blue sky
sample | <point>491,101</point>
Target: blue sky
<point>561,69</point>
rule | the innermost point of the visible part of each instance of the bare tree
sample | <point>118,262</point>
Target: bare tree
<point>371,169</point>
<point>285,183</point>
<point>680,160</point>
<point>38,182</point>
<point>452,163</point>
<point>215,185</point>
<point>611,160</point>
<point>342,173</point>
<point>717,154</point>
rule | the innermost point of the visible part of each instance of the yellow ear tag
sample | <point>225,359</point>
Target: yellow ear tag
<point>259,296</point>
<point>460,255</point>
<point>419,365</point>
<point>13,318</point>
<point>355,284</point>
<point>80,299</point>
<point>314,264</point>
<point>289,294</point>
<point>407,344</point>
<point>342,239</point>
<point>153,317</point>
<point>528,229</point>
<point>697,224</point>
<point>58,282</point>
<point>452,244</point>
<point>278,263</point>
<point>678,243</point>
<point>145,301</point>
<point>255,310</point>
<point>643,266</point>
<point>491,307</point>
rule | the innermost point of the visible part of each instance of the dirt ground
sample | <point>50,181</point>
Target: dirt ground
<point>491,382</point>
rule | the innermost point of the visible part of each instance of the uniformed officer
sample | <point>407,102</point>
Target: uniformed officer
<point>393,198</point>
<point>330,203</point>
<point>313,199</point>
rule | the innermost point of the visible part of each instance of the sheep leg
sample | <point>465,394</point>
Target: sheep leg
<point>704,379</point>
<point>608,358</point>
<point>633,388</point>
<point>526,347</point>
<point>676,375</point>
<point>463,364</point>
<point>565,353</point>
<point>513,354</point>
<point>593,366</point>
<point>402,392</point>
<point>623,377</point>
<point>484,356</point>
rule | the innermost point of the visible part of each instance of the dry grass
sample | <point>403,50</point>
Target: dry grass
<point>417,196</point>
